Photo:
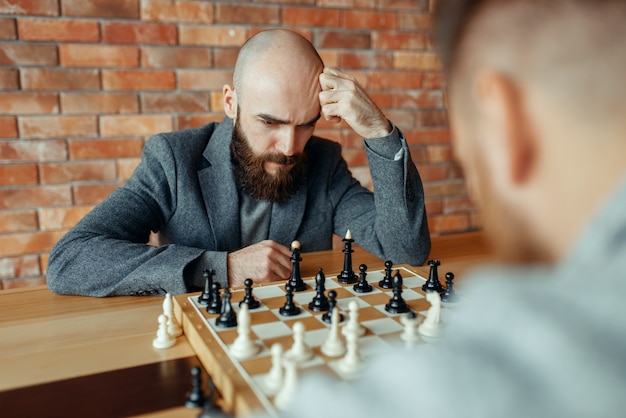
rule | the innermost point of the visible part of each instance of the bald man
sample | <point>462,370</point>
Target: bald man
<point>232,196</point>
<point>538,105</point>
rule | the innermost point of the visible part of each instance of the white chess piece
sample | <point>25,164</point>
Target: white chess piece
<point>244,347</point>
<point>299,351</point>
<point>410,323</point>
<point>274,379</point>
<point>163,338</point>
<point>290,382</point>
<point>430,327</point>
<point>351,362</point>
<point>353,320</point>
<point>173,327</point>
<point>334,345</point>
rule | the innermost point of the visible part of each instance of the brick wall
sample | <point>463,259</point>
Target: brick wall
<point>83,83</point>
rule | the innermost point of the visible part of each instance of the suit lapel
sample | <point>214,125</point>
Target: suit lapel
<point>287,217</point>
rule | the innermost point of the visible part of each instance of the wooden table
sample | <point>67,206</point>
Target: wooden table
<point>82,356</point>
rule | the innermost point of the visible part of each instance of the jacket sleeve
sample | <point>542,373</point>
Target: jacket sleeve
<point>390,223</point>
<point>107,253</point>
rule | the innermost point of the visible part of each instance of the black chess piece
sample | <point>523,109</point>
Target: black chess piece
<point>320,301</point>
<point>362,286</point>
<point>249,297</point>
<point>205,297</point>
<point>396,304</point>
<point>449,295</point>
<point>215,305</point>
<point>296,282</point>
<point>433,284</point>
<point>196,396</point>
<point>227,318</point>
<point>347,275</point>
<point>387,281</point>
<point>289,308</point>
<point>332,304</point>
<point>210,408</point>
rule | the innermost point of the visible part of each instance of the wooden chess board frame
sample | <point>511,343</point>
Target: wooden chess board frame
<point>238,397</point>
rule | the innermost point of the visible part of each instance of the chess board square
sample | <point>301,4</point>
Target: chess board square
<point>413,282</point>
<point>303,298</point>
<point>369,313</point>
<point>268,292</point>
<point>382,326</point>
<point>303,314</point>
<point>257,365</point>
<point>419,305</point>
<point>310,323</point>
<point>373,345</point>
<point>271,330</point>
<point>264,316</point>
<point>376,299</point>
<point>344,303</point>
<point>375,290</point>
<point>410,294</point>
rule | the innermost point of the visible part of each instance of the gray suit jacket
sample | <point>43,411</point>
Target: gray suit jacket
<point>185,189</point>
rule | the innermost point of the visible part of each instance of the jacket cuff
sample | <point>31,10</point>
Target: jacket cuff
<point>389,147</point>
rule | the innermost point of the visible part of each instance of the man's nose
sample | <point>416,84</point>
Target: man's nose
<point>286,143</point>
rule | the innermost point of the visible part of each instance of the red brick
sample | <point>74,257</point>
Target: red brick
<point>225,57</point>
<point>433,172</point>
<point>86,55</point>
<point>30,7</point>
<point>58,30</point>
<point>259,15</point>
<point>456,171</point>
<point>174,102</point>
<point>32,197</point>
<point>419,99</point>
<point>8,127</point>
<point>14,175</point>
<point>139,33</point>
<point>81,149</point>
<point>135,125</point>
<point>177,11</point>
<point>22,266</point>
<point>310,16</point>
<point>360,19</point>
<point>443,188</point>
<point>212,35</point>
<point>29,103</point>
<point>179,57</point>
<point>382,100</point>
<point>368,4</point>
<point>43,262</point>
<point>7,28</point>
<point>77,171</point>
<point>476,220</point>
<point>422,61</point>
<point>401,118</point>
<point>370,60</point>
<point>28,242</point>
<point>433,206</point>
<point>203,79</point>
<point>434,81</point>
<point>427,118</point>
<point>18,221</point>
<point>385,80</point>
<point>439,153</point>
<point>138,80</point>
<point>398,40</point>
<point>448,223</point>
<point>415,21</point>
<point>23,282</point>
<point>25,151</point>
<point>101,8</point>
<point>99,103</point>
<point>217,101</point>
<point>61,218</point>
<point>27,54</point>
<point>126,167</point>
<point>342,39</point>
<point>193,121</point>
<point>305,33</point>
<point>354,158</point>
<point>402,5</point>
<point>9,79</point>
<point>427,136</point>
<point>363,175</point>
<point>59,79</point>
<point>457,205</point>
<point>57,126</point>
<point>85,194</point>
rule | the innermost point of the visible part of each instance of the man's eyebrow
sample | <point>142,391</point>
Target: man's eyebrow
<point>313,121</point>
<point>274,119</point>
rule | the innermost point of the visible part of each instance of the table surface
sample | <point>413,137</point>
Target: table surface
<point>86,356</point>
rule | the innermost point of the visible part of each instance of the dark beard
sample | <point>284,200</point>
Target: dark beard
<point>252,178</point>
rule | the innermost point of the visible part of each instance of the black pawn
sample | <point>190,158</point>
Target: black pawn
<point>320,301</point>
<point>196,397</point>
<point>296,282</point>
<point>289,308</point>
<point>362,286</point>
<point>205,297</point>
<point>449,295</point>
<point>347,275</point>
<point>332,305</point>
<point>387,281</point>
<point>396,304</point>
<point>210,408</point>
<point>249,298</point>
<point>433,284</point>
<point>227,318</point>
<point>215,305</point>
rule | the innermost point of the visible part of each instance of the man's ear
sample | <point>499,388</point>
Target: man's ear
<point>502,104</point>
<point>230,101</point>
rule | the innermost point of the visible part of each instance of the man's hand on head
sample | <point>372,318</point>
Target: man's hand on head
<point>266,261</point>
<point>342,98</point>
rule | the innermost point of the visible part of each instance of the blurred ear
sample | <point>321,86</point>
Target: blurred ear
<point>230,101</point>
<point>502,106</point>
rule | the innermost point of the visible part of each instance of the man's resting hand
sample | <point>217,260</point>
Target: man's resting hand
<point>266,261</point>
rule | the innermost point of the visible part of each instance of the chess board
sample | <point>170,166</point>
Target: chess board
<point>240,382</point>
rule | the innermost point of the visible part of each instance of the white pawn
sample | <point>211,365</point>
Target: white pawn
<point>244,347</point>
<point>274,379</point>
<point>410,323</point>
<point>334,345</point>
<point>288,389</point>
<point>353,321</point>
<point>351,362</point>
<point>163,339</point>
<point>173,327</point>
<point>299,351</point>
<point>430,327</point>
